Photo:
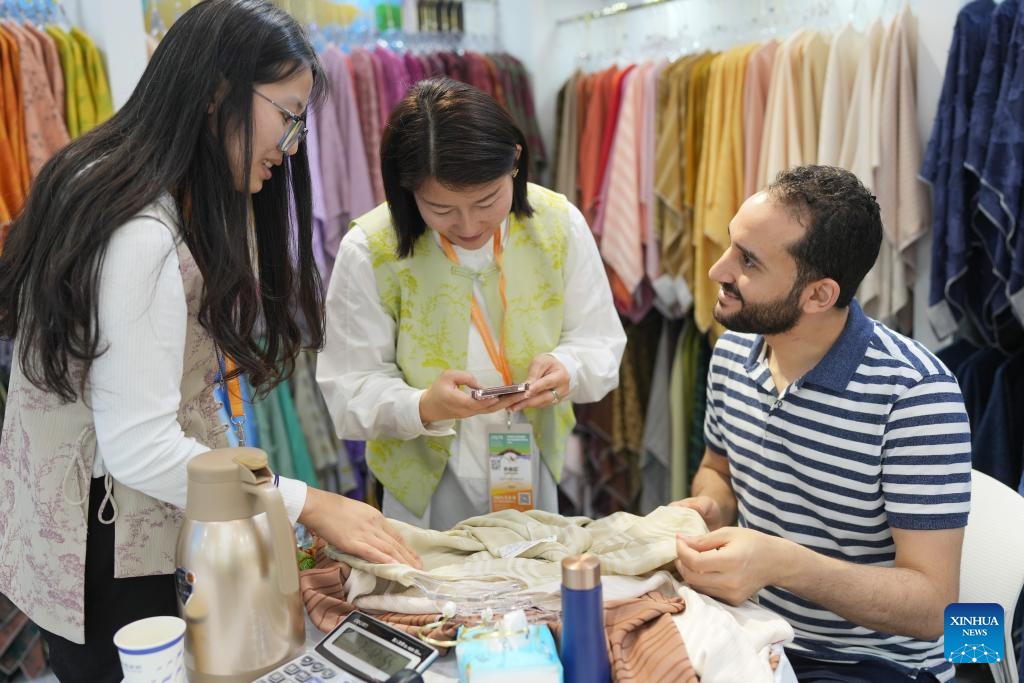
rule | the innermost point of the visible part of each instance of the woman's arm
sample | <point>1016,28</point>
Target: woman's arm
<point>363,386</point>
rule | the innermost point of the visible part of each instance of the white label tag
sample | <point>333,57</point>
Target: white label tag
<point>520,547</point>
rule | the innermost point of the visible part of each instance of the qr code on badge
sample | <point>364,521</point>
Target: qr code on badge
<point>524,498</point>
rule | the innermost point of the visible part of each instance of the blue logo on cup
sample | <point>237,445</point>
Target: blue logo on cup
<point>974,633</point>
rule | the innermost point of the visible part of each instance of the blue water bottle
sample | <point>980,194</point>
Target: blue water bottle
<point>584,647</point>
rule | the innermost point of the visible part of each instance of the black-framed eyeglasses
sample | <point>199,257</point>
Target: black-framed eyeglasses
<point>296,131</point>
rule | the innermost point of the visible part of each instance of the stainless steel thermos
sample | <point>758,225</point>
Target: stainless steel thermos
<point>237,577</point>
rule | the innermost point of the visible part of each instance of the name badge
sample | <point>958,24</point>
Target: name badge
<point>512,469</point>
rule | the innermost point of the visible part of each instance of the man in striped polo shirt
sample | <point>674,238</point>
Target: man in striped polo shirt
<point>839,447</point>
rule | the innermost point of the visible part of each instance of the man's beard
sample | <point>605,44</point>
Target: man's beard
<point>767,318</point>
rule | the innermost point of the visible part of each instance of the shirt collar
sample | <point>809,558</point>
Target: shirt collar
<point>835,370</point>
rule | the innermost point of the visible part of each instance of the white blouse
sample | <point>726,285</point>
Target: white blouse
<point>135,385</point>
<point>368,397</point>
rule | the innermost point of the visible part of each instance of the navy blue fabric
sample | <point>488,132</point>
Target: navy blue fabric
<point>953,189</point>
<point>1002,173</point>
<point>954,355</point>
<point>872,671</point>
<point>989,231</point>
<point>1007,333</point>
<point>1017,632</point>
<point>998,441</point>
<point>1021,662</point>
<point>986,92</point>
<point>999,197</point>
<point>1015,281</point>
<point>976,375</point>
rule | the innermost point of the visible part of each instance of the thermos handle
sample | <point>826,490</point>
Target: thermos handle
<point>281,534</point>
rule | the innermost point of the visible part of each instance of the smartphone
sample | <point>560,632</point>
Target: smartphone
<point>494,392</point>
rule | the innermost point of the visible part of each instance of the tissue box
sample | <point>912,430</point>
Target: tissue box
<point>515,659</point>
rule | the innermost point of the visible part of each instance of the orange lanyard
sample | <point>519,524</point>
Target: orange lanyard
<point>234,389</point>
<point>497,355</point>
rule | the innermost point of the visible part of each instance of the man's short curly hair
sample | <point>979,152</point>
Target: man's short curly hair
<point>843,223</point>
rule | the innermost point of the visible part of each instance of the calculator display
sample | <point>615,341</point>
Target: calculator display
<point>370,651</point>
<point>360,648</point>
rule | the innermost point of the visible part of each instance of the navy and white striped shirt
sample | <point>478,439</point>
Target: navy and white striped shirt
<point>874,437</point>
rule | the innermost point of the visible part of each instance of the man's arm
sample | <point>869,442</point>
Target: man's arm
<point>713,496</point>
<point>921,485</point>
<point>907,599</point>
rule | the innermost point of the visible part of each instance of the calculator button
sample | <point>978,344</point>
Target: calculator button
<point>301,676</point>
<point>276,677</point>
<point>327,673</point>
<point>292,669</point>
<point>307,660</point>
<point>315,666</point>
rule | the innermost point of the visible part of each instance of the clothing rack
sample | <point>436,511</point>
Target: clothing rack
<point>610,10</point>
<point>768,10</point>
<point>37,11</point>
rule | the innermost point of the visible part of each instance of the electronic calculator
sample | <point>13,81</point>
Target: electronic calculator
<point>360,649</point>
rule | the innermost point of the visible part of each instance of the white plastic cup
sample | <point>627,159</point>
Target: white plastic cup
<point>152,650</point>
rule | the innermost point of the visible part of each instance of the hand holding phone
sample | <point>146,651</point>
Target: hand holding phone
<point>495,392</point>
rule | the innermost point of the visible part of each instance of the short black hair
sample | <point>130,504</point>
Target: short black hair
<point>843,223</point>
<point>456,134</point>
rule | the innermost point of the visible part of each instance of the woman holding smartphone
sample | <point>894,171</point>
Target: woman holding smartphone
<point>468,277</point>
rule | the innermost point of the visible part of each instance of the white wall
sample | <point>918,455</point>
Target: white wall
<point>117,28</point>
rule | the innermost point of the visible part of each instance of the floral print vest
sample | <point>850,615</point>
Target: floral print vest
<point>429,299</point>
<point>46,462</point>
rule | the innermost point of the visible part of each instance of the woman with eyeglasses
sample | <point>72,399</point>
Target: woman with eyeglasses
<point>150,251</point>
<point>468,277</point>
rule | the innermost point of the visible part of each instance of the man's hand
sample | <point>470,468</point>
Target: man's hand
<point>734,563</point>
<point>708,508</point>
<point>713,496</point>
<point>731,564</point>
<point>355,528</point>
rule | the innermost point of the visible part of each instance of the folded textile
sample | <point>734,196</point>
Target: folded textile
<point>729,643</point>
<point>517,555</point>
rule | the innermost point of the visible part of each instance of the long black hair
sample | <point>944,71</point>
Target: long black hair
<point>163,140</point>
<point>459,136</point>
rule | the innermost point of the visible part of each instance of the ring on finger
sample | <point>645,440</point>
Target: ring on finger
<point>554,396</point>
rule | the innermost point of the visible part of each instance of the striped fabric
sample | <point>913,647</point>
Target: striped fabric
<point>644,644</point>
<point>625,211</point>
<point>874,437</point>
